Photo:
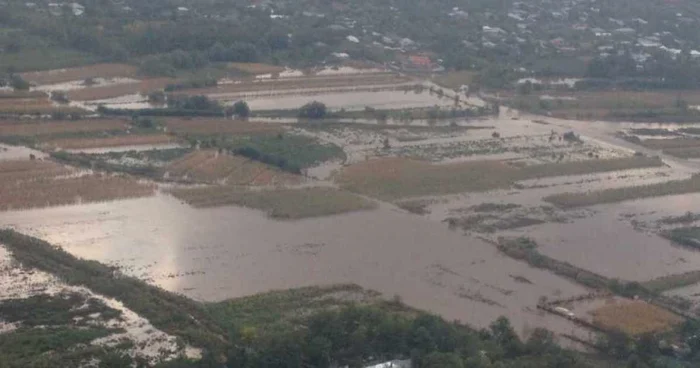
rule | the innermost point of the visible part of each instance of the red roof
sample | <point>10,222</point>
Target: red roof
<point>420,60</point>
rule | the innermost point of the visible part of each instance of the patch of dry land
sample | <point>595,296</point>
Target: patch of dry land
<point>84,72</point>
<point>284,85</point>
<point>28,128</point>
<point>34,105</point>
<point>256,68</point>
<point>34,184</point>
<point>571,200</point>
<point>635,318</point>
<point>114,141</point>
<point>278,203</point>
<point>210,166</point>
<point>396,178</point>
<point>110,91</point>
<point>220,126</point>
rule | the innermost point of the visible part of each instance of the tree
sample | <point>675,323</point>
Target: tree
<point>18,83</point>
<point>505,336</point>
<point>241,109</point>
<point>442,360</point>
<point>313,110</point>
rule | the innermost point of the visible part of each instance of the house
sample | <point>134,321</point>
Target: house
<point>420,61</point>
<point>393,364</point>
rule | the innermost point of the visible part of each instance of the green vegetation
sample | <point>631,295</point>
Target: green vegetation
<point>55,310</point>
<point>571,200</point>
<point>145,163</point>
<point>689,236</point>
<point>240,109</point>
<point>171,313</point>
<point>686,218</point>
<point>664,283</point>
<point>287,151</point>
<point>50,347</point>
<point>313,110</point>
<point>43,58</point>
<point>394,179</point>
<point>279,203</point>
<point>494,207</point>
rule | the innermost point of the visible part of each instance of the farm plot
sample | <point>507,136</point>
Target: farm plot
<point>635,318</point>
<point>80,73</point>
<point>530,149</point>
<point>145,87</point>
<point>493,217</point>
<point>35,106</point>
<point>112,141</point>
<point>220,126</point>
<point>256,68</point>
<point>45,127</point>
<point>280,203</point>
<point>394,178</point>
<point>32,184</point>
<point>570,200</point>
<point>299,85</point>
<point>209,166</point>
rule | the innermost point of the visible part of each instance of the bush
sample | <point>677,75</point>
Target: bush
<point>313,110</point>
<point>240,109</point>
<point>60,97</point>
<point>18,83</point>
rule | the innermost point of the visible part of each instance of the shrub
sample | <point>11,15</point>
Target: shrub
<point>240,109</point>
<point>313,110</point>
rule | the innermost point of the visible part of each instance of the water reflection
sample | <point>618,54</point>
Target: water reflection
<point>215,254</point>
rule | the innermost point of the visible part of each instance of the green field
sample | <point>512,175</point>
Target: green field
<point>289,204</point>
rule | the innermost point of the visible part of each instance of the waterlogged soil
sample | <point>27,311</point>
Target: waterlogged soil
<point>220,253</point>
<point>627,253</point>
<point>352,101</point>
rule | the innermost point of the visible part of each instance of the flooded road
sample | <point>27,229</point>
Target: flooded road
<point>215,254</point>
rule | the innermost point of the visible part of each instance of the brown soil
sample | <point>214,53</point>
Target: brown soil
<point>35,128</point>
<point>219,126</point>
<point>256,68</point>
<point>33,105</point>
<point>73,74</point>
<point>208,166</point>
<point>396,178</point>
<point>115,141</point>
<point>301,83</point>
<point>634,318</point>
<point>32,184</point>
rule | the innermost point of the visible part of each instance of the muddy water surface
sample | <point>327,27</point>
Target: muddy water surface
<point>226,252</point>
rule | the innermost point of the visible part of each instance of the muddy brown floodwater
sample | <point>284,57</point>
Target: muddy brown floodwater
<point>215,254</point>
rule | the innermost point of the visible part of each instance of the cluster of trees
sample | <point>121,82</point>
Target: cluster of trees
<point>313,110</point>
<point>15,81</point>
<point>183,102</point>
<point>660,71</point>
<point>270,159</point>
<point>356,336</point>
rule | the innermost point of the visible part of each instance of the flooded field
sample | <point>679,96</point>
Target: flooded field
<point>401,201</point>
<point>214,254</point>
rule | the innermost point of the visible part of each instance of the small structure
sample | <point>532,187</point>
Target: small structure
<point>393,364</point>
<point>420,61</point>
<point>77,9</point>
